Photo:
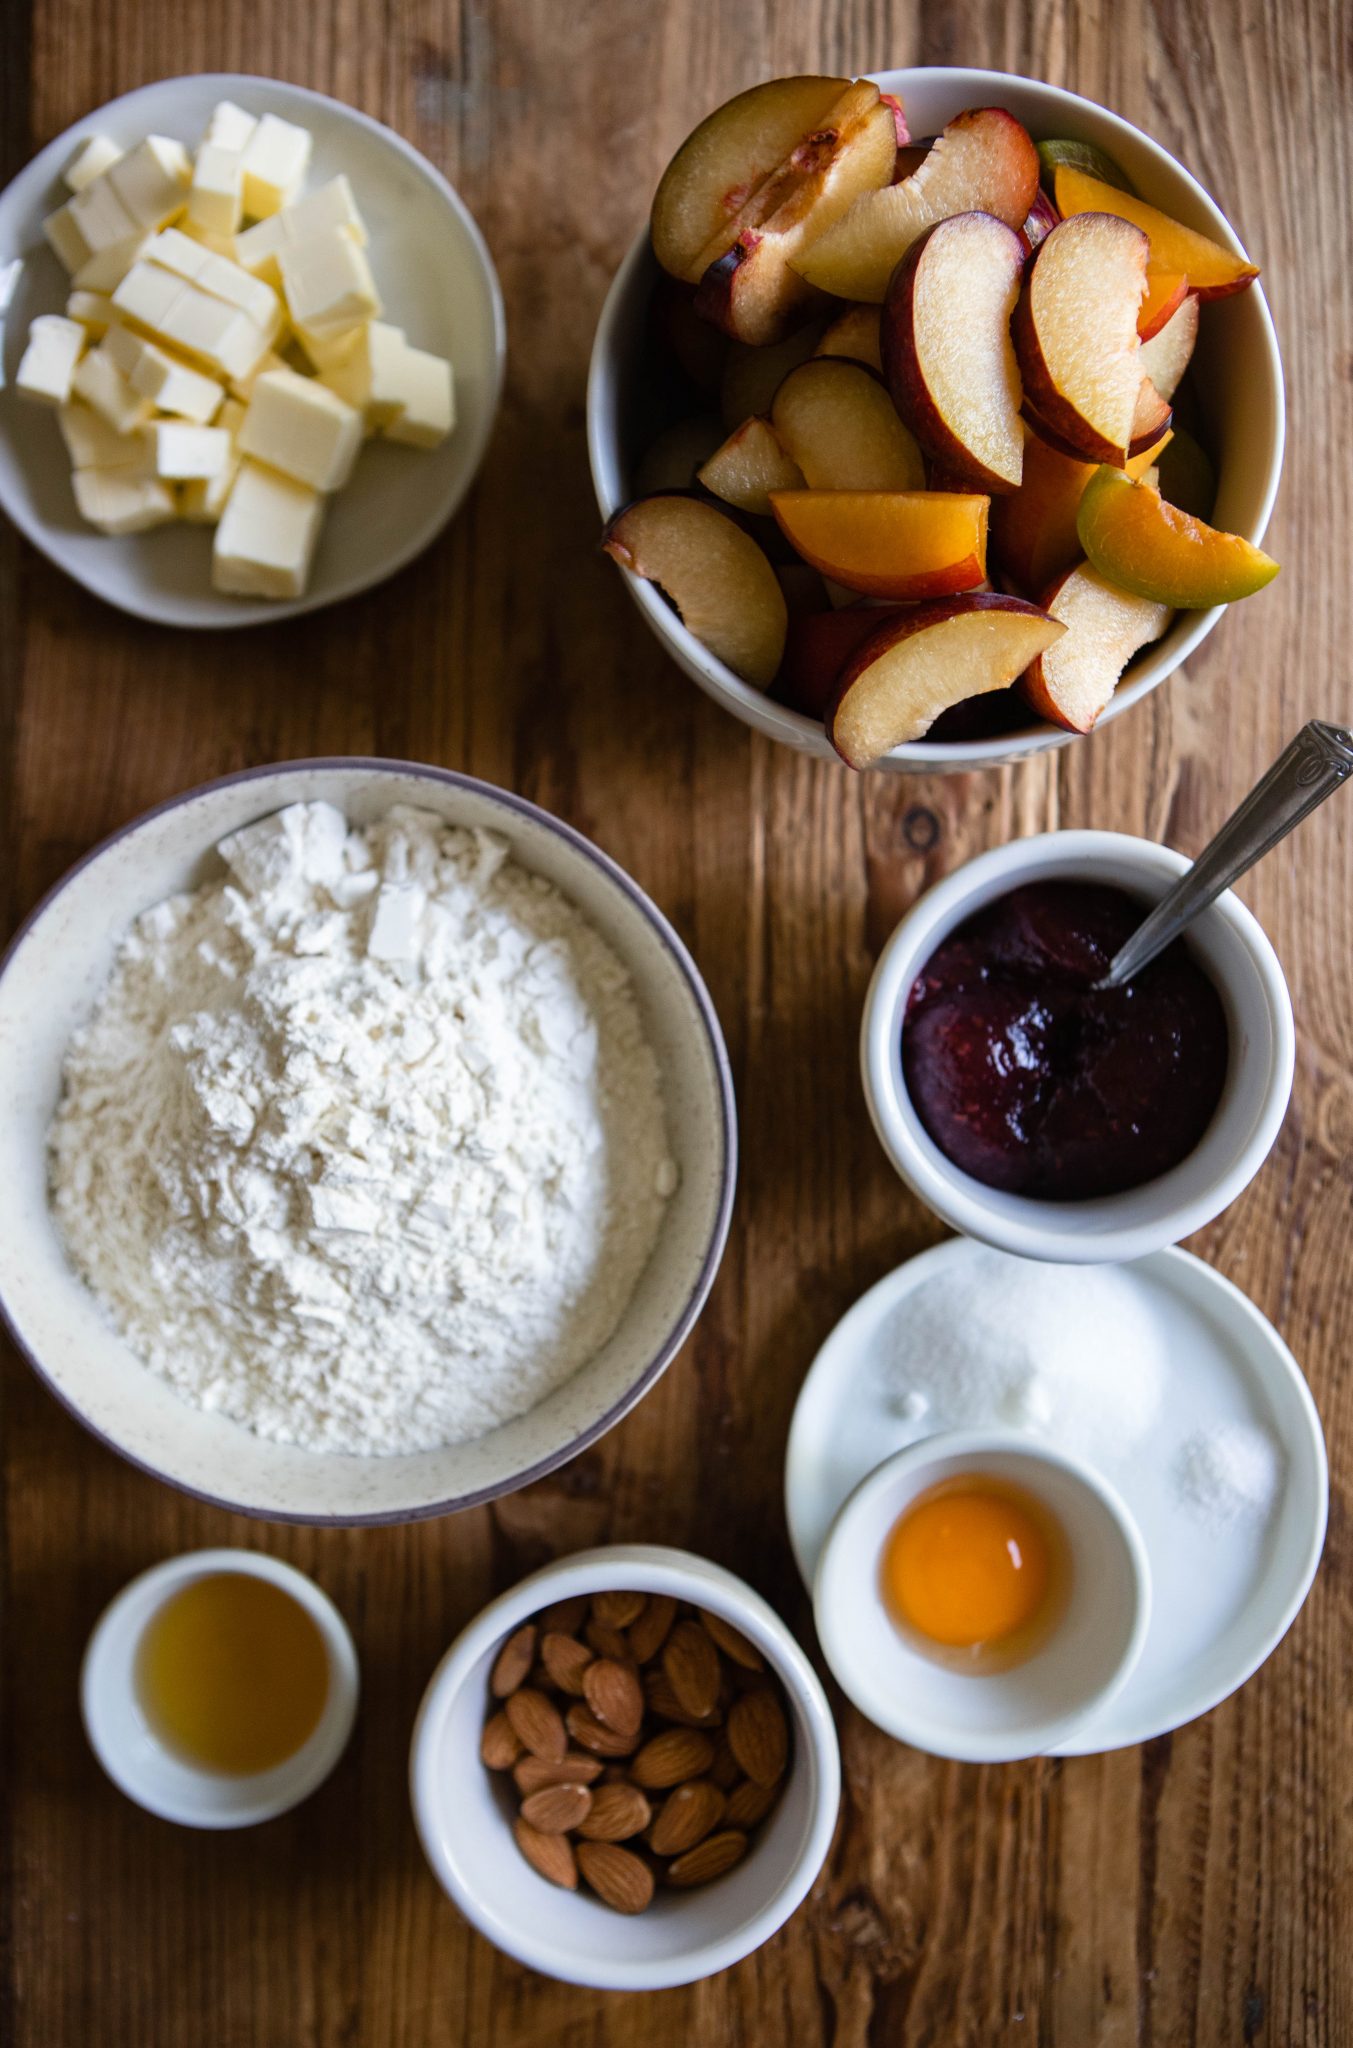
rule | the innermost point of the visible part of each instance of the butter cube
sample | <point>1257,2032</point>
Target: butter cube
<point>47,366</point>
<point>329,206</point>
<point>223,279</point>
<point>216,195</point>
<point>186,317</point>
<point>93,310</point>
<point>369,375</point>
<point>171,386</point>
<point>302,428</point>
<point>176,451</point>
<point>121,502</point>
<point>147,295</point>
<point>327,281</point>
<point>151,181</point>
<point>243,387</point>
<point>265,541</point>
<point>203,499</point>
<point>220,245</point>
<point>105,271</point>
<point>90,161</point>
<point>326,348</point>
<point>275,159</point>
<point>230,127</point>
<point>64,235</point>
<point>100,216</point>
<point>92,444</point>
<point>428,413</point>
<point>100,382</point>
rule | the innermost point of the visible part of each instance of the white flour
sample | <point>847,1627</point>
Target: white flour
<point>365,1145</point>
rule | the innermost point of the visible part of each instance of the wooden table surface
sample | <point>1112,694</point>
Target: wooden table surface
<point>1197,1890</point>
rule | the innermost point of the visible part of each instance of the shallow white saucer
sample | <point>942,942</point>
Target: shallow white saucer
<point>1221,1600</point>
<point>435,275</point>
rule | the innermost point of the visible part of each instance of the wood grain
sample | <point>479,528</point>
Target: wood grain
<point>1199,1891</point>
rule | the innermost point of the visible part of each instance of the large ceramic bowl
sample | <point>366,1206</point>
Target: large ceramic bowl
<point>1238,380</point>
<point>49,980</point>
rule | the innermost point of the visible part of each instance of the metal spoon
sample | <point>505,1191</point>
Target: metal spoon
<point>1304,774</point>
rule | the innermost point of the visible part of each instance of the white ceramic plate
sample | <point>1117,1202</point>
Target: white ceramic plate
<point>438,282</point>
<point>1220,1602</point>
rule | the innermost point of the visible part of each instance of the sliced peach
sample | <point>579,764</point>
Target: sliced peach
<point>670,461</point>
<point>1169,352</point>
<point>817,649</point>
<point>983,163</point>
<point>901,132</point>
<point>855,334</point>
<point>1166,292</point>
<point>900,544</point>
<point>1072,681</point>
<point>1154,550</point>
<point>749,465</point>
<point>751,290</point>
<point>1151,418</point>
<point>1075,332</point>
<point>1212,272</point>
<point>752,376</point>
<point>719,580</point>
<point>1039,222</point>
<point>1033,529</point>
<point>894,687</point>
<point>947,352</point>
<point>838,423</point>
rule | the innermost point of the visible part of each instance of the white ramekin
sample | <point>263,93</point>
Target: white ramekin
<point>1240,386</point>
<point>1231,946</point>
<point>127,1746</point>
<point>464,1812</point>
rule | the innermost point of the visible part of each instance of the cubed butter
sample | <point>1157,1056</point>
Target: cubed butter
<point>105,271</point>
<point>101,217</point>
<point>215,274</point>
<point>100,382</point>
<point>93,310</point>
<point>428,412</point>
<point>202,499</point>
<point>329,206</point>
<point>242,388</point>
<point>230,126</point>
<point>178,451</point>
<point>327,282</point>
<point>275,160</point>
<point>216,194</point>
<point>90,161</point>
<point>265,541</point>
<point>48,364</point>
<point>326,348</point>
<point>186,317</point>
<point>220,245</point>
<point>152,181</point>
<point>302,428</point>
<point>92,444</point>
<point>171,386</point>
<point>64,236</point>
<point>369,375</point>
<point>119,501</point>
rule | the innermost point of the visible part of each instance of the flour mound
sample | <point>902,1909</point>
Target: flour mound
<point>363,1146</point>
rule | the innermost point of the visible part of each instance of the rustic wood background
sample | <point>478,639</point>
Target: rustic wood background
<point>1195,1891</point>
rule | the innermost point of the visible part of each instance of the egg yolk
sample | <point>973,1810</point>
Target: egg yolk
<point>967,1565</point>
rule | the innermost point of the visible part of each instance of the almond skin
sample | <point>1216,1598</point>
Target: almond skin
<point>500,1744</point>
<point>512,1665</point>
<point>671,1758</point>
<point>551,1855</point>
<point>554,1809</point>
<point>732,1642</point>
<point>590,1733</point>
<point>749,1803</point>
<point>708,1859</point>
<point>614,1694</point>
<point>724,1770</point>
<point>691,1665</point>
<point>648,1634</point>
<point>565,1617</point>
<point>618,1610</point>
<point>608,1640</point>
<point>759,1735</point>
<point>689,1814</point>
<point>619,1878</point>
<point>618,1811</point>
<point>537,1724</point>
<point>566,1659</point>
<point>662,1701</point>
<point>529,1773</point>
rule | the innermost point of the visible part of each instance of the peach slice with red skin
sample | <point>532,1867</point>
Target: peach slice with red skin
<point>749,465</point>
<point>984,162</point>
<point>947,353</point>
<point>837,422</point>
<point>1154,550</point>
<point>720,581</point>
<point>1168,353</point>
<point>1033,529</point>
<point>898,544</point>
<point>1070,682</point>
<point>1075,331</point>
<point>1212,271</point>
<point>925,659</point>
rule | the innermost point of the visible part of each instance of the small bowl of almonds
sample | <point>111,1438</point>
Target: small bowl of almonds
<point>625,1771</point>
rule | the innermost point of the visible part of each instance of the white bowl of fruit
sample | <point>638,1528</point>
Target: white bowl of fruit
<point>933,453</point>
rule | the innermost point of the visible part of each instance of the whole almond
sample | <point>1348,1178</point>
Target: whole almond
<point>554,1809</point>
<point>724,1770</point>
<point>565,1617</point>
<point>687,1817</point>
<point>608,1640</point>
<point>617,1876</point>
<point>662,1701</point>
<point>732,1642</point>
<point>749,1803</point>
<point>671,1758</point>
<point>574,1768</point>
<point>500,1744</point>
<point>691,1664</point>
<point>566,1659</point>
<point>537,1724</point>
<point>708,1859</point>
<point>648,1634</point>
<point>551,1855</point>
<point>614,1694</point>
<point>590,1733</point>
<point>618,1610</point>
<point>759,1736</point>
<point>618,1811</point>
<point>512,1665</point>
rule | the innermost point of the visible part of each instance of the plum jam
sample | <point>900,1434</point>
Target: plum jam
<point>1031,1079</point>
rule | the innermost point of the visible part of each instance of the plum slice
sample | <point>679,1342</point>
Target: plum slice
<point>1075,330</point>
<point>720,581</point>
<point>1070,682</point>
<point>838,423</point>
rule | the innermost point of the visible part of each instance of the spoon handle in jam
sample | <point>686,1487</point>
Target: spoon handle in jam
<point>1304,774</point>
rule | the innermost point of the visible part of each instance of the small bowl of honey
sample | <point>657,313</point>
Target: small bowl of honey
<point>219,1688</point>
<point>979,1595</point>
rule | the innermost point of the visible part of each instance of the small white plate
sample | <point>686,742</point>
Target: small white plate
<point>438,282</point>
<point>1221,1602</point>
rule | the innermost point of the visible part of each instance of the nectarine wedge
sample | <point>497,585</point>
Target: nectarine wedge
<point>719,580</point>
<point>1154,550</point>
<point>984,162</point>
<point>900,544</point>
<point>1075,330</point>
<point>1033,529</point>
<point>855,333</point>
<point>1070,682</point>
<point>1169,352</point>
<point>837,422</point>
<point>1212,271</point>
<point>947,352</point>
<point>1166,292</point>
<point>894,687</point>
<point>749,465</point>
